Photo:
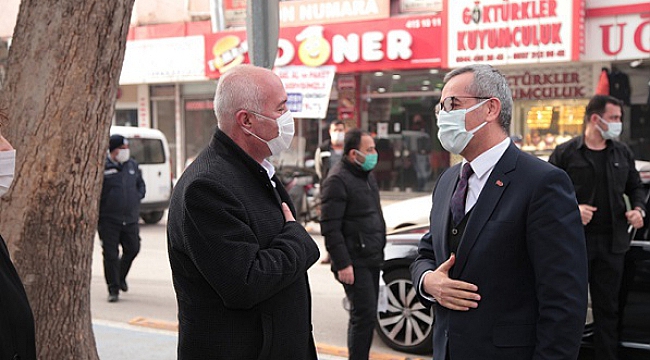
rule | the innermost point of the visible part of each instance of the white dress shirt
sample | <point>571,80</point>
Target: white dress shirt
<point>482,166</point>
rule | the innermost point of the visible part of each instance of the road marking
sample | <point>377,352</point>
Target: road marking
<point>321,348</point>
<point>156,324</point>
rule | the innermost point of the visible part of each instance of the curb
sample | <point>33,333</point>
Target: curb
<point>321,348</point>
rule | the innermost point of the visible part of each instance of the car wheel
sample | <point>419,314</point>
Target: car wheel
<point>406,325</point>
<point>152,217</point>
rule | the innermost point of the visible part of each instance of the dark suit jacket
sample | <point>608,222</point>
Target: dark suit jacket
<point>16,319</point>
<point>239,270</point>
<point>524,248</point>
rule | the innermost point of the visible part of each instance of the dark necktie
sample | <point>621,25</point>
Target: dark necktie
<point>460,194</point>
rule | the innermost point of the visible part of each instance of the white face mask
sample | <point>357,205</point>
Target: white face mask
<point>286,129</point>
<point>123,155</point>
<point>451,129</point>
<point>7,168</point>
<point>613,129</point>
<point>338,138</point>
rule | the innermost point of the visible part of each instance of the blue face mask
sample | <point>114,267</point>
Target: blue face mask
<point>369,162</point>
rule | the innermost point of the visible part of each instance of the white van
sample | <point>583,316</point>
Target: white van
<point>150,149</point>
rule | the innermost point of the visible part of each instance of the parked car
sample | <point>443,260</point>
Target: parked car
<point>405,325</point>
<point>417,210</point>
<point>414,211</point>
<point>150,149</point>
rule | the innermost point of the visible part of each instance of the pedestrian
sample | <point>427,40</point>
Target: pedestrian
<point>119,211</point>
<point>239,259</point>
<point>328,153</point>
<point>602,171</point>
<point>355,235</point>
<point>17,334</point>
<point>421,161</point>
<point>504,261</point>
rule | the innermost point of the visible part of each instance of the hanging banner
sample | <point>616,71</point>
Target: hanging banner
<point>308,89</point>
<point>512,32</point>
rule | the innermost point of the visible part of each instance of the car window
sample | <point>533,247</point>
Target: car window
<point>147,151</point>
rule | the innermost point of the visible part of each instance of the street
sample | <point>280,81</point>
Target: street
<point>151,301</point>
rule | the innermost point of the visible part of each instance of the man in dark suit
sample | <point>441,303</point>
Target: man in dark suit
<point>504,261</point>
<point>239,259</point>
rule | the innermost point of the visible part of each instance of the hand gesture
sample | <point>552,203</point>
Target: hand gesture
<point>586,213</point>
<point>288,216</point>
<point>346,275</point>
<point>452,294</point>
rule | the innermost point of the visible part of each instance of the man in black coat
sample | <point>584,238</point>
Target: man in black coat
<point>239,259</point>
<point>603,172</point>
<point>355,235</point>
<point>17,338</point>
<point>119,212</point>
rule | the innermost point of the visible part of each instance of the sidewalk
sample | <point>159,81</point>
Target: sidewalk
<point>124,341</point>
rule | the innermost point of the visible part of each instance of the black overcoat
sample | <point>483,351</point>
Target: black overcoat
<point>16,319</point>
<point>239,270</point>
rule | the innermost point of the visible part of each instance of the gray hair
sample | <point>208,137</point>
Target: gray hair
<point>237,89</point>
<point>488,81</point>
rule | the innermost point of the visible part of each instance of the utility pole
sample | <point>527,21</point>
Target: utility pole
<point>262,30</point>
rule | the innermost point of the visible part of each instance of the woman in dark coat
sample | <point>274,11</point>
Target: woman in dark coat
<point>16,319</point>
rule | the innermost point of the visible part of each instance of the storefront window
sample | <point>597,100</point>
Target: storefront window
<point>126,117</point>
<point>400,116</point>
<point>550,123</point>
<point>163,112</point>
<point>200,125</point>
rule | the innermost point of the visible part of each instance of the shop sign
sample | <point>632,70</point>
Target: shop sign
<point>410,6</point>
<point>567,82</point>
<point>502,32</point>
<point>308,89</point>
<point>163,60</point>
<point>400,43</point>
<point>308,12</point>
<point>620,37</point>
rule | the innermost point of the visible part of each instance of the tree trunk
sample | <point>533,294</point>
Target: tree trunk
<point>62,77</point>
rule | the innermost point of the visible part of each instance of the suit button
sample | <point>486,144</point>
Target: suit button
<point>16,357</point>
<point>454,231</point>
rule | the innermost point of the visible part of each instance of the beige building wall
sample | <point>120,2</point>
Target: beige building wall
<point>145,12</point>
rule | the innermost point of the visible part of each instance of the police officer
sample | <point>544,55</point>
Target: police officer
<point>118,214</point>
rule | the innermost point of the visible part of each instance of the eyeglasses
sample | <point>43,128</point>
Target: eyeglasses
<point>450,103</point>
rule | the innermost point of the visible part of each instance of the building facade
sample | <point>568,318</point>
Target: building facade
<point>379,64</point>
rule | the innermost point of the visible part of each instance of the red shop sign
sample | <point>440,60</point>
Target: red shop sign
<point>400,43</point>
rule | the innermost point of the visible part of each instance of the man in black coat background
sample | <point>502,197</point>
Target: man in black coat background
<point>239,259</point>
<point>355,235</point>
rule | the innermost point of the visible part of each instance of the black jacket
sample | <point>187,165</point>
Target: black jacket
<point>17,339</point>
<point>351,218</point>
<point>239,269</point>
<point>622,178</point>
<point>121,193</point>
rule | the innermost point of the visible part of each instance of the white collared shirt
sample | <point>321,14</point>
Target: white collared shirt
<point>270,170</point>
<point>483,166</point>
